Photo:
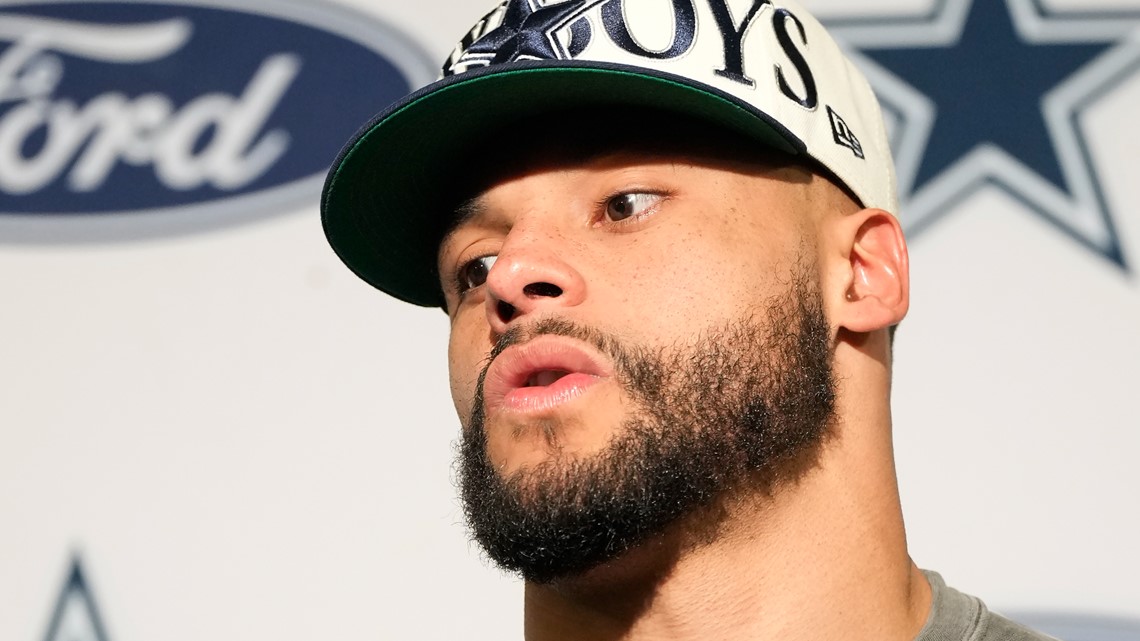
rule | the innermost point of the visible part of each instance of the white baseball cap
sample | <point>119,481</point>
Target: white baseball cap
<point>765,70</point>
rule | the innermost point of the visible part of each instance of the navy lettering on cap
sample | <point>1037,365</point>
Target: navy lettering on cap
<point>780,21</point>
<point>684,29</point>
<point>733,38</point>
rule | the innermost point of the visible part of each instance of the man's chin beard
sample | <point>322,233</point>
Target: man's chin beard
<point>747,407</point>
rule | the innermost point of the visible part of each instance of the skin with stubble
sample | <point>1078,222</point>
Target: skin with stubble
<point>674,382</point>
<point>704,419</point>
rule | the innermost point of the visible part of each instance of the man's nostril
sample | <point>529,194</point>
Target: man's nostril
<point>545,290</point>
<point>505,310</point>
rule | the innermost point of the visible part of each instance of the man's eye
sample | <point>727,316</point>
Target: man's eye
<point>473,273</point>
<point>625,206</point>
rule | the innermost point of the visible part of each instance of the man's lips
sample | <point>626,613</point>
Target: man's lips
<point>540,375</point>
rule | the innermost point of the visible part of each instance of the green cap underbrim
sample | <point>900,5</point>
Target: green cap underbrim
<point>389,199</point>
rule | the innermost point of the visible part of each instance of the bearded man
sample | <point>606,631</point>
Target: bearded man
<point>672,275</point>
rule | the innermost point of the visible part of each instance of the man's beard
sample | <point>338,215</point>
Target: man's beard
<point>745,408</point>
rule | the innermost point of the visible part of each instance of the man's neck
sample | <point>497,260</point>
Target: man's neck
<point>825,559</point>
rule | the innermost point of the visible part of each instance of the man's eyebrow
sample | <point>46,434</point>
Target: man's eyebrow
<point>463,214</point>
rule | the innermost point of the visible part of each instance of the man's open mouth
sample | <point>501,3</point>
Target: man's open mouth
<point>541,374</point>
<point>544,378</point>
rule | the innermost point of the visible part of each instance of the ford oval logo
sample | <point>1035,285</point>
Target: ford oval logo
<point>189,109</point>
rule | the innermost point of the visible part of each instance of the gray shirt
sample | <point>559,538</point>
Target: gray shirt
<point>959,617</point>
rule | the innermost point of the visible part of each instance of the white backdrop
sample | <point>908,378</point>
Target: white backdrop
<point>241,440</point>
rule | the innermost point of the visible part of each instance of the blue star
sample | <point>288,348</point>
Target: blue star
<point>988,87</point>
<point>527,31</point>
<point>75,617</point>
<point>989,92</point>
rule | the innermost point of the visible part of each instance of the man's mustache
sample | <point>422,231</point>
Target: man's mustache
<point>609,346</point>
<point>520,334</point>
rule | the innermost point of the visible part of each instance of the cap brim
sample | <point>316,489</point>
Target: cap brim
<point>388,199</point>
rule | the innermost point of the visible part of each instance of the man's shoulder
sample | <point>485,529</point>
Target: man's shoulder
<point>955,616</point>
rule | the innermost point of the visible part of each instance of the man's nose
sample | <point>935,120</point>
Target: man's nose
<point>532,273</point>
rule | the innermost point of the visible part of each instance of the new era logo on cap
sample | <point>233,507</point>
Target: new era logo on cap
<point>843,134</point>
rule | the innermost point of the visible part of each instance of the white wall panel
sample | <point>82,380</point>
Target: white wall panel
<point>242,441</point>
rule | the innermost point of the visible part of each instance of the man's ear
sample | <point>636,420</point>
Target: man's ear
<point>877,274</point>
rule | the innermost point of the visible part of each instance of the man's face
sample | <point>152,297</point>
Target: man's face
<point>648,335</point>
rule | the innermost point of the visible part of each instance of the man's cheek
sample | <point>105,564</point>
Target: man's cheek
<point>462,394</point>
<point>464,379</point>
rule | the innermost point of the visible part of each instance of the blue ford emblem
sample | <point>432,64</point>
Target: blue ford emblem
<point>188,109</point>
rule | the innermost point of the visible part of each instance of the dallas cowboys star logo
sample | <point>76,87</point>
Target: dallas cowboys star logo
<point>991,92</point>
<point>75,617</point>
<point>528,31</point>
